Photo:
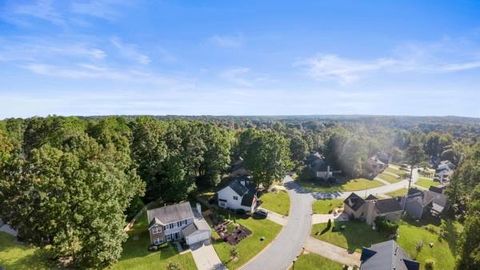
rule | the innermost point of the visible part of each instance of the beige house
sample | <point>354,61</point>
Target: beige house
<point>370,208</point>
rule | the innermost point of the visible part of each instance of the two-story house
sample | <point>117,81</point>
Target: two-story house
<point>240,193</point>
<point>370,208</point>
<point>177,222</point>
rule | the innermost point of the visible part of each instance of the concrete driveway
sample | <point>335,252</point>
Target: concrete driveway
<point>206,258</point>
<point>289,242</point>
<point>332,252</point>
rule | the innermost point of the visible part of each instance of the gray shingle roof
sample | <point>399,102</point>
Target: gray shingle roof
<point>388,205</point>
<point>386,256</point>
<point>238,187</point>
<point>171,213</point>
<point>354,201</point>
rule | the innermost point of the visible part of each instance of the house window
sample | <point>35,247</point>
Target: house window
<point>235,198</point>
<point>169,237</point>
<point>156,230</point>
<point>171,225</point>
<point>157,241</point>
<point>179,223</point>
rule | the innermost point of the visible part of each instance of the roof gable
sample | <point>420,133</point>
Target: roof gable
<point>170,213</point>
<point>354,201</point>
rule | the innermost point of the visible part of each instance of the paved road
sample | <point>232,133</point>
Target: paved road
<point>289,242</point>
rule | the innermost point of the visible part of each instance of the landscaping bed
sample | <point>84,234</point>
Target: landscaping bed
<point>263,231</point>
<point>231,232</point>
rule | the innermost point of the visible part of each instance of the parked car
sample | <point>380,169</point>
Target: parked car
<point>260,213</point>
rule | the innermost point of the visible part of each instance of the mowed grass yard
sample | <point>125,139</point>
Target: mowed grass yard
<point>276,201</point>
<point>396,170</point>
<point>398,193</point>
<point>14,255</point>
<point>326,206</point>
<point>358,234</point>
<point>250,246</point>
<point>426,182</point>
<point>389,178</point>
<point>136,256</point>
<point>350,185</point>
<point>313,261</point>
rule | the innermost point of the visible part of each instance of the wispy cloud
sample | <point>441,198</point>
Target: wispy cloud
<point>61,13</point>
<point>333,67</point>
<point>237,75</point>
<point>105,9</point>
<point>130,51</point>
<point>40,9</point>
<point>89,71</point>
<point>227,41</point>
<point>426,58</point>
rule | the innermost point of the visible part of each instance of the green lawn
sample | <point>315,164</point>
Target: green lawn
<point>136,256</point>
<point>277,201</point>
<point>397,171</point>
<point>426,182</point>
<point>351,185</point>
<point>442,251</point>
<point>326,206</point>
<point>250,246</point>
<point>312,261</point>
<point>398,193</point>
<point>389,178</point>
<point>18,256</point>
<point>358,234</point>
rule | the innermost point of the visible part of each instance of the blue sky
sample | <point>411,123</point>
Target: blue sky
<point>239,57</point>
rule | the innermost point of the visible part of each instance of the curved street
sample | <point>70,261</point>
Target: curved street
<point>289,243</point>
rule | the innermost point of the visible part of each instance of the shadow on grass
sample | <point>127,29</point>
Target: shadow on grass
<point>354,236</point>
<point>23,257</point>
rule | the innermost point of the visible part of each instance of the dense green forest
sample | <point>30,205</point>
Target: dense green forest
<point>71,183</point>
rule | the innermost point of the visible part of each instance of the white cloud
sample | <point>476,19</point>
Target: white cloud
<point>40,9</point>
<point>237,76</point>
<point>105,9</point>
<point>85,71</point>
<point>326,67</point>
<point>226,41</point>
<point>426,58</point>
<point>130,51</point>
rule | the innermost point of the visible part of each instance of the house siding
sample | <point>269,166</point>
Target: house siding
<point>225,199</point>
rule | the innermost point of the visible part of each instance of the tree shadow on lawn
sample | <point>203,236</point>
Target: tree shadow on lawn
<point>448,233</point>
<point>358,234</point>
<point>139,248</point>
<point>38,259</point>
<point>317,186</point>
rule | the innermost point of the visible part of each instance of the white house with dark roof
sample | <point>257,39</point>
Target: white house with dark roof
<point>240,193</point>
<point>177,222</point>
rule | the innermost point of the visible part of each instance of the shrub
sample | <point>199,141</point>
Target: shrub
<point>386,226</point>
<point>419,246</point>
<point>429,264</point>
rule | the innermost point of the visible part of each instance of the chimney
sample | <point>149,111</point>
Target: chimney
<point>199,208</point>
